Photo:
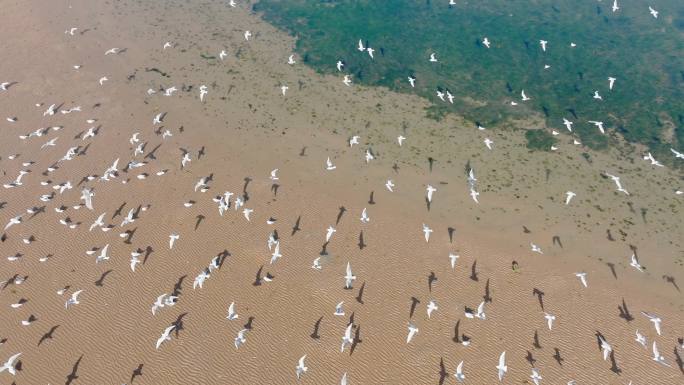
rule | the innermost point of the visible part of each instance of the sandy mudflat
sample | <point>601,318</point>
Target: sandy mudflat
<point>246,128</point>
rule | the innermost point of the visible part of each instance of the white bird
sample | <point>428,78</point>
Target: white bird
<point>338,309</point>
<point>635,263</point>
<point>167,45</point>
<point>232,314</point>
<point>413,330</point>
<point>501,367</point>
<point>369,156</point>
<point>615,6</point>
<point>488,142</point>
<point>317,264</point>
<point>597,96</point>
<point>453,258</point>
<point>370,51</point>
<point>247,35</point>
<point>474,194</point>
<point>199,280</point>
<point>536,248</point>
<point>347,337</point>
<point>291,60</point>
<point>568,197</point>
<point>568,124</point>
<point>657,357</point>
<point>343,380</point>
<point>480,311</point>
<point>329,165</point>
<point>223,54</point>
<point>347,80</point>
<point>87,197</point>
<point>549,319</point>
<point>9,365</point>
<point>354,140</point>
<point>169,91</point>
<point>654,162</point>
<point>485,41</point>
<point>158,303</point>
<point>274,175</point>
<point>301,369</point>
<point>158,118</point>
<point>203,92</point>
<point>240,339</point>
<point>616,179</point>
<point>543,44</point>
<point>389,184</point>
<point>430,191</point>
<point>112,51</point>
<point>276,253</point>
<point>535,376</point>
<point>361,47</point>
<point>99,222</point>
<point>49,143</point>
<point>364,216</point>
<point>329,232</point>
<point>655,319</point>
<point>433,58</point>
<point>400,140</point>
<point>348,277</point>
<point>247,212</point>
<point>606,348</point>
<point>653,12</point>
<point>677,154</point>
<point>73,300</point>
<point>583,277</point>
<point>524,97</point>
<point>172,239</point>
<point>103,79</point>
<point>640,338</point>
<point>460,377</point>
<point>427,231</point>
<point>13,221</point>
<point>412,81</point>
<point>284,89</point>
<point>166,336</point>
<point>134,139</point>
<point>611,82</point>
<point>339,65</point>
<point>431,307</point>
<point>103,255</point>
<point>134,260</point>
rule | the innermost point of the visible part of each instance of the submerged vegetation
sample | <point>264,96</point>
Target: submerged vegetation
<point>645,54</point>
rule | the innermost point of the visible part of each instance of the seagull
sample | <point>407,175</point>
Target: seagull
<point>412,81</point>
<point>640,338</point>
<point>87,197</point>
<point>655,319</point>
<point>112,51</point>
<point>486,43</point>
<point>568,197</point>
<point>583,277</point>
<point>247,35</point>
<point>549,319</point>
<point>158,303</point>
<point>343,381</point>
<point>338,309</point>
<point>9,365</point>
<point>364,216</point>
<point>400,140</point>
<point>240,339</point>
<point>361,47</point>
<point>370,51</point>
<point>99,222</point>
<point>543,44</point>
<point>172,239</point>
<point>185,160</point>
<point>536,248</point>
<point>502,368</point>
<point>203,92</point>
<point>615,6</point>
<point>480,311</point>
<point>103,255</point>
<point>13,221</point>
<point>412,332</point>
<point>347,337</point>
<point>284,89</point>
<point>433,58</point>
<point>427,231</point>
<point>329,232</point>
<point>347,80</point>
<point>606,348</point>
<point>611,82</point>
<point>276,253</point>
<point>369,156</point>
<point>389,185</point>
<point>597,96</point>
<point>291,60</point>
<point>317,264</point>
<point>232,314</point>
<point>223,54</point>
<point>488,142</point>
<point>134,260</point>
<point>73,300</point>
<point>474,194</point>
<point>460,377</point>
<point>453,258</point>
<point>166,336</point>
<point>246,213</point>
<point>657,357</point>
<point>354,140</point>
<point>653,12</point>
<point>677,154</point>
<point>301,369</point>
<point>339,65</point>
<point>169,91</point>
<point>536,377</point>
<point>158,118</point>
<point>635,263</point>
<point>616,179</point>
<point>654,162</point>
<point>430,191</point>
<point>348,277</point>
<point>524,97</point>
<point>167,45</point>
<point>432,306</point>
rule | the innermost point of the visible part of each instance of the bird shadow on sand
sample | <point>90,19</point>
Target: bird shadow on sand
<point>136,373</point>
<point>362,244</point>
<point>340,214</point>
<point>611,265</point>
<point>671,279</point>
<point>557,356</point>
<point>357,340</point>
<point>530,358</point>
<point>296,227</point>
<point>359,297</point>
<point>678,359</point>
<point>74,372</point>
<point>249,324</point>
<point>624,312</point>
<point>535,341</point>
<point>414,302</point>
<point>257,279</point>
<point>487,295</point>
<point>317,327</point>
<point>178,323</point>
<point>324,249</point>
<point>473,272</point>
<point>540,297</point>
<point>371,201</point>
<point>451,231</point>
<point>443,374</point>
<point>432,278</point>
<point>48,335</point>
<point>100,282</point>
<point>148,250</point>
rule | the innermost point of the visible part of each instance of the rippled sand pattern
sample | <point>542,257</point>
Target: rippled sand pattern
<point>246,128</point>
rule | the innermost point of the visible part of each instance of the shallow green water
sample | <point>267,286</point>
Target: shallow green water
<point>645,54</point>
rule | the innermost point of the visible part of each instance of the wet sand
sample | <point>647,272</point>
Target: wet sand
<point>247,128</point>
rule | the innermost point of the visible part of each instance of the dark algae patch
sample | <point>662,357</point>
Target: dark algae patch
<point>645,54</point>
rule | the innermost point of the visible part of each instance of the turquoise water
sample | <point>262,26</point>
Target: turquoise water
<point>645,54</point>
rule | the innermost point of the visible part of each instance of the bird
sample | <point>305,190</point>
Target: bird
<point>347,80</point>
<point>354,140</point>
<point>460,377</point>
<point>653,12</point>
<point>488,143</point>
<point>616,179</point>
<point>348,277</point>
<point>426,232</point>
<point>203,92</point>
<point>370,51</point>
<point>274,174</point>
<point>73,300</point>
<point>329,233</point>
<point>635,263</point>
<point>166,336</point>
<point>389,184</point>
<point>412,81</point>
<point>172,239</point>
<point>501,367</point>
<point>13,221</point>
<point>605,347</point>
<point>301,369</point>
<point>247,35</point>
<point>524,97</point>
<point>654,162</point>
<point>474,194</point>
<point>568,197</point>
<point>597,96</point>
<point>113,51</point>
<point>453,258</point>
<point>9,365</point>
<point>485,42</point>
<point>361,47</point>
<point>369,156</point>
<point>240,339</point>
<point>677,154</point>
<point>657,357</point>
<point>223,54</point>
<point>158,118</point>
<point>583,277</point>
<point>167,45</point>
<point>291,60</point>
<point>317,264</point>
<point>347,337</point>
<point>103,79</point>
<point>640,338</point>
<point>276,253</point>
<point>284,89</point>
<point>134,260</point>
<point>611,82</point>
<point>615,7</point>
<point>413,330</point>
<point>430,191</point>
<point>339,65</point>
<point>400,140</point>
<point>338,309</point>
<point>568,124</point>
<point>99,222</point>
<point>433,58</point>
<point>431,307</point>
<point>232,314</point>
<point>535,376</point>
<point>343,380</point>
<point>103,254</point>
<point>655,319</point>
<point>364,216</point>
<point>246,213</point>
<point>536,248</point>
<point>158,303</point>
<point>543,44</point>
<point>549,319</point>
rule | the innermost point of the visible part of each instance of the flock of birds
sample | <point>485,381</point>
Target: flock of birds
<point>230,201</point>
